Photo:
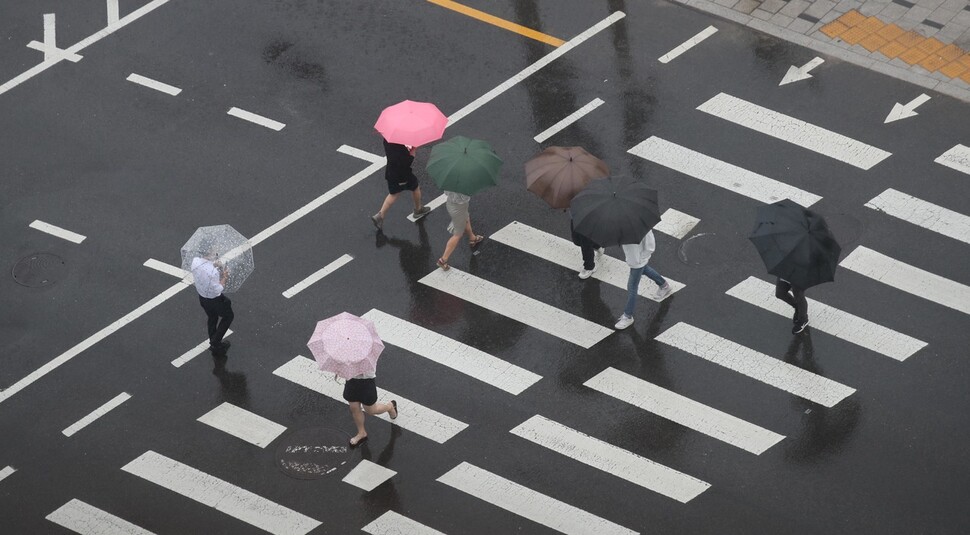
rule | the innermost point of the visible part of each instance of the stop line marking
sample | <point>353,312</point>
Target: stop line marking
<point>255,118</point>
<point>153,84</point>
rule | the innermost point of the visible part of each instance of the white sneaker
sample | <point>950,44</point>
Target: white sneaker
<point>663,291</point>
<point>624,322</point>
<point>586,273</point>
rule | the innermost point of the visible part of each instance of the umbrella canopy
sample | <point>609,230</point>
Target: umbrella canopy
<point>346,345</point>
<point>464,165</point>
<point>225,247</point>
<point>795,244</point>
<point>615,211</point>
<point>557,174</point>
<point>411,123</point>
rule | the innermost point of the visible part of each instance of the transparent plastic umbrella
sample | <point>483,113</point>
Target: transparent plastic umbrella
<point>225,247</point>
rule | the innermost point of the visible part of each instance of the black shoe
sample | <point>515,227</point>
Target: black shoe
<point>221,347</point>
<point>799,327</point>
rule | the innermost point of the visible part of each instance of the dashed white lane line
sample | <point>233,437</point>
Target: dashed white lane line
<point>568,120</point>
<point>684,411</point>
<point>957,158</point>
<point>195,351</point>
<point>96,413</point>
<point>63,234</point>
<point>611,459</point>
<point>909,279</point>
<point>563,252</point>
<point>527,503</point>
<point>391,523</point>
<point>169,269</point>
<point>422,420</point>
<point>85,519</point>
<point>317,275</point>
<point>758,366</point>
<point>6,472</point>
<point>718,173</point>
<point>367,475</point>
<point>362,154</point>
<point>451,353</point>
<point>153,84</point>
<point>676,224</point>
<point>256,119</point>
<point>831,320</point>
<point>243,424</point>
<point>794,131</point>
<point>688,44</point>
<point>435,203</point>
<point>922,213</point>
<point>514,305</point>
<point>221,495</point>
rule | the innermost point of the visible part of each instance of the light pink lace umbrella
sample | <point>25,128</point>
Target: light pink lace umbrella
<point>346,345</point>
<point>412,123</point>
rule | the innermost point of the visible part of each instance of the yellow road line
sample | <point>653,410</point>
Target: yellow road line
<point>501,23</point>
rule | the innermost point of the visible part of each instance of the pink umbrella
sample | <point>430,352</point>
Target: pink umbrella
<point>412,123</point>
<point>346,345</point>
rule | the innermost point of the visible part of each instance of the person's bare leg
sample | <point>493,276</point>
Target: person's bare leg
<point>358,416</point>
<point>416,197</point>
<point>450,247</point>
<point>379,408</point>
<point>468,230</point>
<point>388,201</point>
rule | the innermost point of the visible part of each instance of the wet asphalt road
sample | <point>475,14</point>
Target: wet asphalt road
<point>137,171</point>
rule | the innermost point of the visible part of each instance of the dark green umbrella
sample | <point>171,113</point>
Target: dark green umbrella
<point>615,211</point>
<point>795,244</point>
<point>464,165</point>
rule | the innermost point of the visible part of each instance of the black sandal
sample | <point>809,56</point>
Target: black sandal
<point>394,403</point>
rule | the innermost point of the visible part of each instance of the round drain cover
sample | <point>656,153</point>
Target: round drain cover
<point>39,269</point>
<point>709,248</point>
<point>313,452</point>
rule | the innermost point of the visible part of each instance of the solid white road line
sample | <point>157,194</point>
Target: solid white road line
<point>367,475</point>
<point>676,224</point>
<point>831,320</point>
<point>451,353</point>
<point>528,503</point>
<point>568,120</point>
<point>169,269</point>
<point>527,310</point>
<point>195,351</point>
<point>436,202</point>
<point>413,417</point>
<point>957,158</point>
<point>564,253</point>
<point>391,523</point>
<point>687,45</point>
<point>153,84</point>
<point>755,365</point>
<point>82,44</point>
<point>362,154</point>
<point>909,279</point>
<point>684,411</point>
<point>73,237</point>
<point>316,276</point>
<point>243,424</point>
<point>96,413</point>
<point>610,459</point>
<point>795,131</point>
<point>922,213</point>
<point>718,173</point>
<point>220,495</point>
<point>112,12</point>
<point>255,118</point>
<point>85,519</point>
<point>6,471</point>
<point>534,68</point>
<point>49,46</point>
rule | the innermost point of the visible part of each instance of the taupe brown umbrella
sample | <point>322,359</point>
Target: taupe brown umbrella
<point>557,174</point>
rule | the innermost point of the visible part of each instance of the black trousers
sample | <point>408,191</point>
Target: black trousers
<point>796,299</point>
<point>219,311</point>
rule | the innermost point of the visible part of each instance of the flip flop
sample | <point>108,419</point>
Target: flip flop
<point>355,444</point>
<point>478,239</point>
<point>443,265</point>
<point>394,402</point>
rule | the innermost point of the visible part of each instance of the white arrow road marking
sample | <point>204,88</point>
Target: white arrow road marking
<point>905,111</point>
<point>796,74</point>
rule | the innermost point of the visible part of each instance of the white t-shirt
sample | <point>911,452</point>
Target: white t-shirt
<point>207,278</point>
<point>637,255</point>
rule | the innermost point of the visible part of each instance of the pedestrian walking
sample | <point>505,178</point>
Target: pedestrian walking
<point>457,205</point>
<point>399,178</point>
<point>592,253</point>
<point>361,393</point>
<point>210,277</point>
<point>637,257</point>
<point>795,297</point>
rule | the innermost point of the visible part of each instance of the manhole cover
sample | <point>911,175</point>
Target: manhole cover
<point>39,269</point>
<point>313,452</point>
<point>710,248</point>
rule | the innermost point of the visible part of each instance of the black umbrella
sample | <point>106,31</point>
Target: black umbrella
<point>795,244</point>
<point>615,211</point>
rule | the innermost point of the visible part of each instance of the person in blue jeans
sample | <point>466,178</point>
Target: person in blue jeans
<point>637,256</point>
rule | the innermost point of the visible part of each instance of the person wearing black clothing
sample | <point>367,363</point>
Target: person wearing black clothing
<point>796,298</point>
<point>399,177</point>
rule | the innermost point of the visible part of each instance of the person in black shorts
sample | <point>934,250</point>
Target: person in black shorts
<point>399,177</point>
<point>361,393</point>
